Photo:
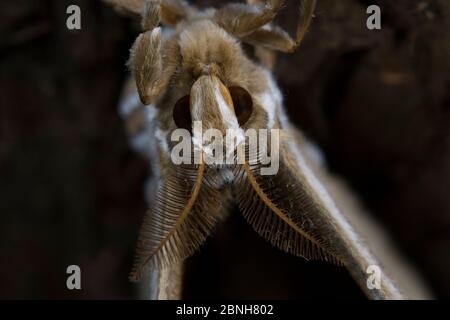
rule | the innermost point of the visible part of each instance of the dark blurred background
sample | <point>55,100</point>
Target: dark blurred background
<point>71,191</point>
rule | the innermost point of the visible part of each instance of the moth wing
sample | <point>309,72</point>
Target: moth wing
<point>335,224</point>
<point>280,208</point>
<point>183,212</point>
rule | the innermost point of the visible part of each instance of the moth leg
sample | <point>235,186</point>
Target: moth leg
<point>145,58</point>
<point>243,19</point>
<point>266,57</point>
<point>172,11</point>
<point>275,38</point>
<point>151,16</point>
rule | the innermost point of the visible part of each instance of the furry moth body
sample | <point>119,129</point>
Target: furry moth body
<point>199,72</point>
<point>206,60</point>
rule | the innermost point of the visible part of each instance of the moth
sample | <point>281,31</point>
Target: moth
<point>189,66</point>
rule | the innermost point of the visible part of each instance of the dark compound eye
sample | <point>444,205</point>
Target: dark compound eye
<point>243,104</point>
<point>182,114</point>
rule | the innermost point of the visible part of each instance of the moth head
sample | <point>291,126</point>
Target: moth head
<point>196,70</point>
<point>214,105</point>
<point>213,110</point>
<point>214,78</point>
